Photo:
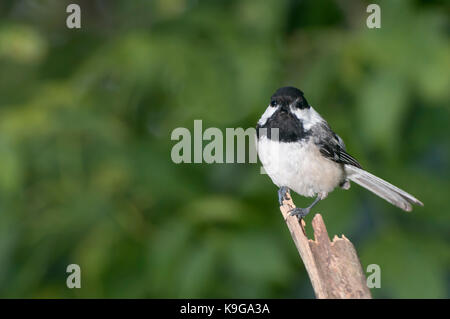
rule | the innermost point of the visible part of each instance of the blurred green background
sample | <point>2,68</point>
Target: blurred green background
<point>86,116</point>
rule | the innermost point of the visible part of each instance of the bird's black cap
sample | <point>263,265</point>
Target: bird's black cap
<point>287,95</point>
<point>288,91</point>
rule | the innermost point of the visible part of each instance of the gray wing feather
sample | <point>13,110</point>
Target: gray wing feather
<point>331,145</point>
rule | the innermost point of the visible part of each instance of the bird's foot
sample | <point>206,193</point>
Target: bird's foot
<point>299,212</point>
<point>282,194</point>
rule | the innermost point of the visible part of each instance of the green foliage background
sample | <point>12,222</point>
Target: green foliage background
<point>86,116</point>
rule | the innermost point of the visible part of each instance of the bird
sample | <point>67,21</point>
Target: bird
<point>299,151</point>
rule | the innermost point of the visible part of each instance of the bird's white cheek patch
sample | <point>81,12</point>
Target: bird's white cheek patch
<point>267,114</point>
<point>309,117</point>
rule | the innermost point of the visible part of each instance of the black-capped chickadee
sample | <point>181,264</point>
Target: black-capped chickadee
<point>303,154</point>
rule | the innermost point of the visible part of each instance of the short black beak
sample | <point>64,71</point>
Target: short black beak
<point>284,108</point>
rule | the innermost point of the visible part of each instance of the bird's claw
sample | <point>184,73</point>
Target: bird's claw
<point>282,192</point>
<point>299,212</point>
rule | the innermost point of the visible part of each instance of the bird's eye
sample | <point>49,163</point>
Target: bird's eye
<point>273,103</point>
<point>302,104</point>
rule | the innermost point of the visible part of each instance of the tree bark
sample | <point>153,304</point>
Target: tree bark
<point>333,267</point>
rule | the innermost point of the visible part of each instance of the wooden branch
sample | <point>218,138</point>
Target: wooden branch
<point>333,267</point>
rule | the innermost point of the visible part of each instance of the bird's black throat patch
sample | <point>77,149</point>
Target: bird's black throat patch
<point>289,126</point>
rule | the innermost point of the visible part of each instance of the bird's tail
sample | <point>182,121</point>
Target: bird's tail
<point>389,192</point>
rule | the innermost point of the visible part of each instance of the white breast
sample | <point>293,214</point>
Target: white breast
<point>299,166</point>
